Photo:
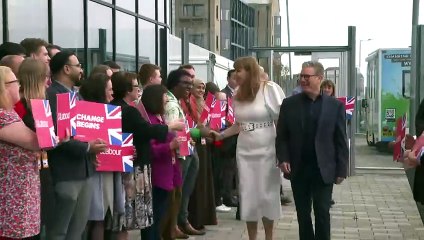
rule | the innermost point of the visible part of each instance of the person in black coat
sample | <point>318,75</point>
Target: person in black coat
<point>125,92</point>
<point>312,151</point>
<point>417,190</point>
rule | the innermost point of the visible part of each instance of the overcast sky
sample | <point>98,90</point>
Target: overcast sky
<point>325,22</point>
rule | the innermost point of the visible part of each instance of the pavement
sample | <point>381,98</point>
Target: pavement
<point>368,206</point>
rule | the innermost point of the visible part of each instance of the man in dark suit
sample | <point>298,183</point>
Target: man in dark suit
<point>312,150</point>
<point>71,163</point>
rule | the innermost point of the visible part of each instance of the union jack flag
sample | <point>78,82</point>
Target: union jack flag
<point>216,116</point>
<point>47,109</point>
<point>230,113</point>
<point>112,111</point>
<point>73,98</point>
<point>127,139</point>
<point>127,163</point>
<point>223,114</point>
<point>349,103</point>
<point>115,136</point>
<point>127,152</point>
<point>213,103</point>
<point>73,126</point>
<point>53,136</point>
<point>207,107</point>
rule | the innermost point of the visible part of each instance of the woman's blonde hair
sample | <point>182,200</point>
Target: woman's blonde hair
<point>5,101</point>
<point>249,88</point>
<point>32,77</point>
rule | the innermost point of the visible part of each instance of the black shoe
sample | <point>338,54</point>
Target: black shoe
<point>285,200</point>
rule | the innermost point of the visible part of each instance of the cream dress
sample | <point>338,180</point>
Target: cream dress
<point>256,158</point>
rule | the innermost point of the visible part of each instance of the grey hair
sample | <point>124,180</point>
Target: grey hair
<point>319,69</point>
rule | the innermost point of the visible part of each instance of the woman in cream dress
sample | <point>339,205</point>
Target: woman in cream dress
<point>256,108</point>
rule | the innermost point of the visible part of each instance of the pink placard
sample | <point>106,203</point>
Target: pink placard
<point>399,146</point>
<point>96,120</point>
<point>184,138</point>
<point>118,158</point>
<point>207,107</point>
<point>43,123</point>
<point>216,115</point>
<point>66,103</point>
<point>230,113</point>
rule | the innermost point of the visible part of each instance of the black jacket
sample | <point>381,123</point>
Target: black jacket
<point>69,161</point>
<point>418,190</point>
<point>229,145</point>
<point>332,153</point>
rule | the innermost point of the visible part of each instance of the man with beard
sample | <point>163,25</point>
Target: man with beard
<point>71,163</point>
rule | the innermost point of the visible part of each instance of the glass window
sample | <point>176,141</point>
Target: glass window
<point>147,8</point>
<point>69,34</point>
<point>146,42</point>
<point>193,10</point>
<point>161,11</point>
<point>160,29</point>
<point>197,39</point>
<point>99,34</point>
<point>127,4</point>
<point>125,41</point>
<point>27,19</point>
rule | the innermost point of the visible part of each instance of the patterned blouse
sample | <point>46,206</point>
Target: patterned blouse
<point>19,187</point>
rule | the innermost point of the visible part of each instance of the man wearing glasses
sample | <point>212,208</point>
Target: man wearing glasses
<point>311,147</point>
<point>71,164</point>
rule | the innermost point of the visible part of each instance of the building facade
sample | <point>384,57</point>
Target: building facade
<point>228,28</point>
<point>201,18</point>
<point>129,32</point>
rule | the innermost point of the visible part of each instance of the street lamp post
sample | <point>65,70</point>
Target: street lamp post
<point>360,51</point>
<point>358,109</point>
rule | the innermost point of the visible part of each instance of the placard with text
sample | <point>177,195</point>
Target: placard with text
<point>66,103</point>
<point>96,120</point>
<point>44,127</point>
<point>118,158</point>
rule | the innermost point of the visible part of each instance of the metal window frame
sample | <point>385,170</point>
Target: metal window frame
<point>5,21</point>
<point>165,24</point>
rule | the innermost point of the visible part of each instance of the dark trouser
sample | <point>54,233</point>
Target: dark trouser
<point>224,173</point>
<point>308,187</point>
<point>71,210</point>
<point>190,168</point>
<point>160,200</point>
<point>147,233</point>
<point>47,201</point>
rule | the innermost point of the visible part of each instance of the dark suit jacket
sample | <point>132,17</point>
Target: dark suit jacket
<point>330,139</point>
<point>229,146</point>
<point>227,91</point>
<point>69,161</point>
<point>143,132</point>
<point>419,120</point>
<point>419,171</point>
